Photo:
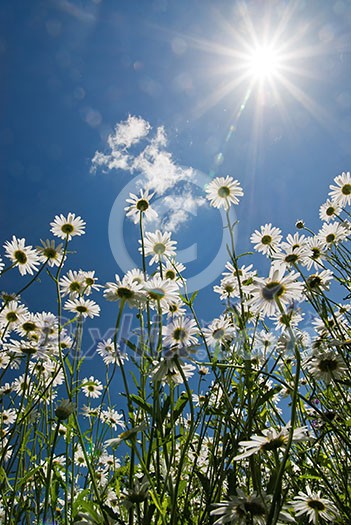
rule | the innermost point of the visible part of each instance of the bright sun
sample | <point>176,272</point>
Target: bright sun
<point>263,63</point>
<point>258,62</point>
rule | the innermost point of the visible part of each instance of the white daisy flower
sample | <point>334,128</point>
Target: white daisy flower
<point>324,326</point>
<point>50,253</point>
<point>83,307</point>
<point>293,250</point>
<point>24,257</point>
<point>236,282</point>
<point>294,241</point>
<point>21,384</point>
<point>222,192</point>
<point>341,193</point>
<point>289,256</point>
<point>90,412</point>
<point>315,253</point>
<point>244,273</point>
<point>288,319</point>
<point>242,509</point>
<point>8,416</point>
<point>6,453</point>
<point>167,371</point>
<point>111,500</point>
<point>327,366</point>
<point>28,326</point>
<point>108,353</point>
<point>17,348</point>
<point>4,363</point>
<point>58,461</point>
<point>79,457</point>
<point>48,325</point>
<point>92,387</point>
<point>12,314</point>
<point>219,331</point>
<point>265,341</point>
<point>172,270</point>
<point>44,369</point>
<point>319,280</point>
<point>161,291</point>
<point>265,292</point>
<point>180,333</point>
<point>72,284</point>
<point>313,506</point>
<point>140,205</point>
<point>112,418</point>
<point>67,227</point>
<point>267,240</point>
<point>89,281</point>
<point>109,461</point>
<point>47,321</point>
<point>135,276</point>
<point>158,245</point>
<point>128,289</point>
<point>227,288</point>
<point>331,234</point>
<point>6,389</point>
<point>329,210</point>
<point>270,440</point>
<point>175,308</point>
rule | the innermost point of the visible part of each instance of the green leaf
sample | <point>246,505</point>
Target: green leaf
<point>184,299</point>
<point>158,504</point>
<point>141,403</point>
<point>180,404</point>
<point>272,481</point>
<point>190,301</point>
<point>193,297</point>
<point>205,483</point>
<point>88,507</point>
<point>132,346</point>
<point>262,399</point>
<point>165,408</point>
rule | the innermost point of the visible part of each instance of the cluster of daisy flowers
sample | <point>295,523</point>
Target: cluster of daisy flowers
<point>302,269</point>
<point>37,359</point>
<point>277,299</point>
<point>259,354</point>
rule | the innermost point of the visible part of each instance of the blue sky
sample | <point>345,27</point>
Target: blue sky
<point>72,70</point>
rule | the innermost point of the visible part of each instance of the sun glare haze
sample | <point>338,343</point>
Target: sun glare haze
<point>263,62</point>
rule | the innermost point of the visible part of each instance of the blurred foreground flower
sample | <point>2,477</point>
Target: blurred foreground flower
<point>277,289</point>
<point>314,506</point>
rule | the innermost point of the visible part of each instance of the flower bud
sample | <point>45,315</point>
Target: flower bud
<point>64,410</point>
<point>300,224</point>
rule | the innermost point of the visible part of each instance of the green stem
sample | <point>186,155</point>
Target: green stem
<point>275,509</point>
<point>48,477</point>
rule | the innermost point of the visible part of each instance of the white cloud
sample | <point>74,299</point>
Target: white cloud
<point>154,163</point>
<point>117,161</point>
<point>129,132</point>
<point>180,208</point>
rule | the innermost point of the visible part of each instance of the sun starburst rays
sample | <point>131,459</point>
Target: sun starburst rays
<point>259,57</point>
